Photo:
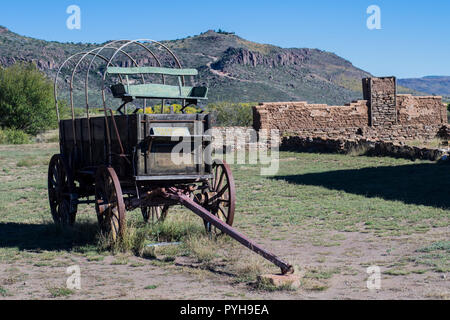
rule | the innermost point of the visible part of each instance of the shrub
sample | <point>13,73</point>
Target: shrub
<point>176,108</point>
<point>65,112</point>
<point>220,31</point>
<point>224,114</point>
<point>12,136</point>
<point>227,114</point>
<point>26,99</point>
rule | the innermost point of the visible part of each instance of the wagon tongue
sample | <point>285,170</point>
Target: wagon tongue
<point>180,197</point>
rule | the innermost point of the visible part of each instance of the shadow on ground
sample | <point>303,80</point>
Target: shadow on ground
<point>47,236</point>
<point>419,184</point>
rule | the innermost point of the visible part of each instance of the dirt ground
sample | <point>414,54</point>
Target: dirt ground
<point>139,279</point>
<point>331,252</point>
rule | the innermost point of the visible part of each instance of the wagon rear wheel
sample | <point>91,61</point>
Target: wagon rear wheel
<point>61,186</point>
<point>109,203</point>
<point>221,196</point>
<point>156,214</point>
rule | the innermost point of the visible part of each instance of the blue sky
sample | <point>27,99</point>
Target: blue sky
<point>414,40</point>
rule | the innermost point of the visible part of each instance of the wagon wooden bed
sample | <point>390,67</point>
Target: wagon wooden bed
<point>124,160</point>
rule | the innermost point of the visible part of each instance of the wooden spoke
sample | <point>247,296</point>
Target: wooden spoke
<point>219,184</point>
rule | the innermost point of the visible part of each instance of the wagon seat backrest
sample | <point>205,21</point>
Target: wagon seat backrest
<point>128,92</point>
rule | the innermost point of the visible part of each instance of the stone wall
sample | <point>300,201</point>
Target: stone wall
<point>233,138</point>
<point>383,116</point>
<point>425,110</point>
<point>298,116</point>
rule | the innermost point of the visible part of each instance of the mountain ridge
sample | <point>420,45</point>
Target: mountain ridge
<point>235,69</point>
<point>434,85</point>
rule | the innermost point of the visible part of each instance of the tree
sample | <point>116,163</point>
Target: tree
<point>26,99</point>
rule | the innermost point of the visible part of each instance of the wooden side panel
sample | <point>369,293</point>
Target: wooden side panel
<point>85,149</point>
<point>137,157</point>
<point>69,141</point>
<point>78,156</point>
<point>119,144</point>
<point>98,141</point>
<point>155,159</point>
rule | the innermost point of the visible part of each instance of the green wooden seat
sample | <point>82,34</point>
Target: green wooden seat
<point>157,91</point>
<point>152,70</point>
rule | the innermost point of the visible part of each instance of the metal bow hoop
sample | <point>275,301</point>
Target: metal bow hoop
<point>87,72</point>
<point>71,81</point>
<point>107,46</point>
<point>140,43</point>
<point>96,53</point>
<point>55,84</point>
<point>84,55</point>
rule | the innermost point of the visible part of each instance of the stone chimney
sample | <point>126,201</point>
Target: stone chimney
<point>381,94</point>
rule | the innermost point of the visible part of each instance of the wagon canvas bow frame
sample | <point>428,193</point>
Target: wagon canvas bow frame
<point>123,160</point>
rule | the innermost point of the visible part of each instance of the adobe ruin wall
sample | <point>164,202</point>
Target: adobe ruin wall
<point>383,115</point>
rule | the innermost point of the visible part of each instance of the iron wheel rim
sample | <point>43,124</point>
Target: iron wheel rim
<point>109,203</point>
<point>60,187</point>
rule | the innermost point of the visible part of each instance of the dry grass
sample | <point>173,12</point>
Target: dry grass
<point>358,151</point>
<point>432,144</point>
<point>202,248</point>
<point>177,227</point>
<point>266,285</point>
<point>249,267</point>
<point>51,136</point>
<point>313,284</point>
<point>445,295</point>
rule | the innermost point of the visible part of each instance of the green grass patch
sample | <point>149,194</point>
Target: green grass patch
<point>435,255</point>
<point>151,287</point>
<point>120,261</point>
<point>56,292</point>
<point>30,162</point>
<point>321,273</point>
<point>137,264</point>
<point>4,292</point>
<point>437,246</point>
<point>12,136</point>
<point>397,272</point>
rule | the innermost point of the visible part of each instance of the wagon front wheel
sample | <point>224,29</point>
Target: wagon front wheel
<point>61,186</point>
<point>109,203</point>
<point>220,199</point>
